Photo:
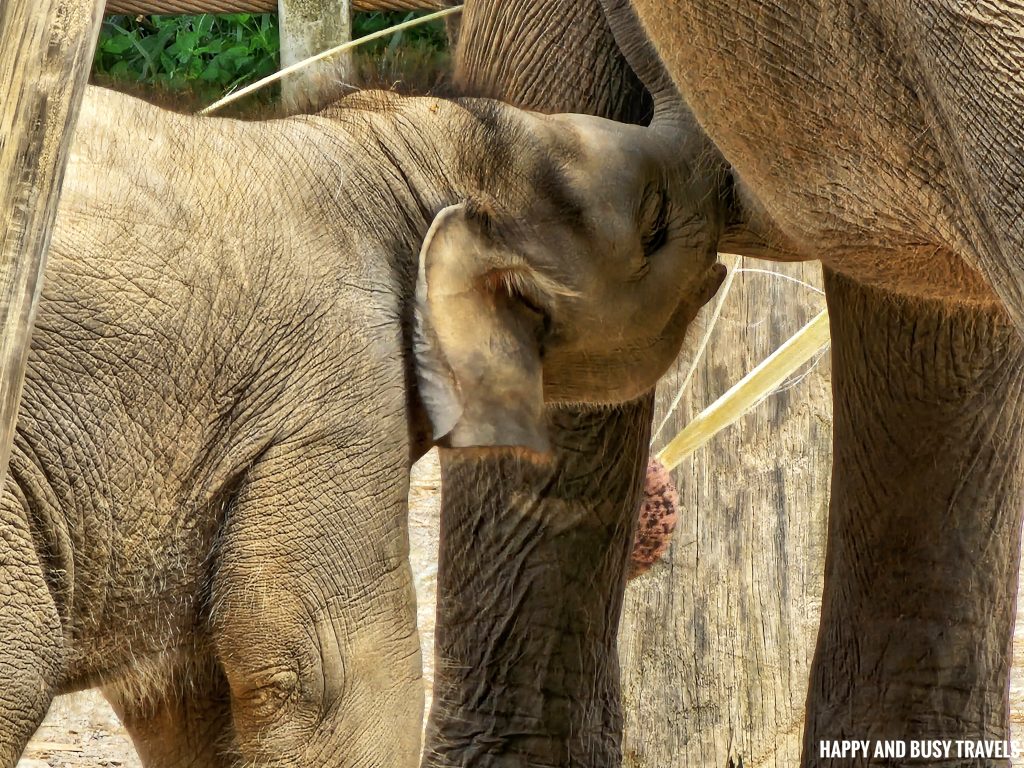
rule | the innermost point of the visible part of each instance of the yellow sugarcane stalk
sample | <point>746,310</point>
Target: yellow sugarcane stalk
<point>748,391</point>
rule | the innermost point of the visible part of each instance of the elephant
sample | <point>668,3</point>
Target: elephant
<point>882,139</point>
<point>902,171</point>
<point>248,333</point>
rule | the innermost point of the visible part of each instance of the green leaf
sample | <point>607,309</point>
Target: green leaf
<point>122,70</point>
<point>204,25</point>
<point>116,45</point>
<point>214,46</point>
<point>211,74</point>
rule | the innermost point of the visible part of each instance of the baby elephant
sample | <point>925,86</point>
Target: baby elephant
<point>248,333</point>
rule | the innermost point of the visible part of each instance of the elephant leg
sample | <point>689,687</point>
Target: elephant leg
<point>531,567</point>
<point>31,640</point>
<point>313,608</point>
<point>924,526</point>
<point>186,725</point>
<point>530,586</point>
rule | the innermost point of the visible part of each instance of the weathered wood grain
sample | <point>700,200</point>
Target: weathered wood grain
<point>716,641</point>
<point>46,47</point>
<point>307,28</point>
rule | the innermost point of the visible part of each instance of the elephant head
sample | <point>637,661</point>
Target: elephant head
<point>574,283</point>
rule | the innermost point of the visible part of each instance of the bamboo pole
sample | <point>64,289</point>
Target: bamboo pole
<point>46,48</point>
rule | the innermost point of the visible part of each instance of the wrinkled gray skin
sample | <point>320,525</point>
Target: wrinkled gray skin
<point>901,169</point>
<point>904,171</point>
<point>205,512</point>
<point>533,557</point>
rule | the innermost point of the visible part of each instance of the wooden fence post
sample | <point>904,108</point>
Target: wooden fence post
<point>716,641</point>
<point>307,28</point>
<point>46,49</point>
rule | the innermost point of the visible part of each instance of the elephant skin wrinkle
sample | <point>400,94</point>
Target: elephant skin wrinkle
<point>885,140</point>
<point>206,509</point>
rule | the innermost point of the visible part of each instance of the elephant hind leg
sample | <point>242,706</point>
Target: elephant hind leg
<point>187,724</point>
<point>32,653</point>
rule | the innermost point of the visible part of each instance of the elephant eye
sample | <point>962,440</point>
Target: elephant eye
<point>656,221</point>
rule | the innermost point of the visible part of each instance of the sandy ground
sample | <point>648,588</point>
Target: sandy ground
<point>81,730</point>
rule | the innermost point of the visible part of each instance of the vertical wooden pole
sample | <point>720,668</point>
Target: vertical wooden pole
<point>46,49</point>
<point>716,642</point>
<point>307,28</point>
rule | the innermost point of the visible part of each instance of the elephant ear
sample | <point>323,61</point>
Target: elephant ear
<point>478,341</point>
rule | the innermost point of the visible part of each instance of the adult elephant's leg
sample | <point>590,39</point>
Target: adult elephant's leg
<point>532,557</point>
<point>924,527</point>
<point>186,725</point>
<point>529,595</point>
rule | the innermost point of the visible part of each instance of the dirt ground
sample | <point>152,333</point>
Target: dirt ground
<point>82,732</point>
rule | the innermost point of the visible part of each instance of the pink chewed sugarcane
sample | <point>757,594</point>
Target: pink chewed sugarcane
<point>658,516</point>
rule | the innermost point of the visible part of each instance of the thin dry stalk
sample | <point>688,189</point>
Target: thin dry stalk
<point>712,323</point>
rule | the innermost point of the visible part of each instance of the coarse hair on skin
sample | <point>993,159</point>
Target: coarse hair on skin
<point>497,165</point>
<point>166,675</point>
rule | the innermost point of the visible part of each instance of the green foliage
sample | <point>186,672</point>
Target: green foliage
<point>210,55</point>
<point>429,36</point>
<point>415,60</point>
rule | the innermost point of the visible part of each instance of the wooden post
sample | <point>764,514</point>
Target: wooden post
<point>307,28</point>
<point>716,642</point>
<point>46,49</point>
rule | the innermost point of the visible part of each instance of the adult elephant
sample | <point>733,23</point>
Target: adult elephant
<point>901,170</point>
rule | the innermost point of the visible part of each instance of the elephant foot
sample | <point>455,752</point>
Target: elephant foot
<point>924,527</point>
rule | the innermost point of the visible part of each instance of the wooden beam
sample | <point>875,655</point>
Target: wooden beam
<point>309,27</point>
<point>46,48</point>
<point>193,7</point>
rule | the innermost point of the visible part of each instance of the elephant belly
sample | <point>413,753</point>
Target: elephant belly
<point>815,108</point>
<point>153,612</point>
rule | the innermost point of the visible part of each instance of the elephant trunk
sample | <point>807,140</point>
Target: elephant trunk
<point>671,114</point>
<point>533,565</point>
<point>677,133</point>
